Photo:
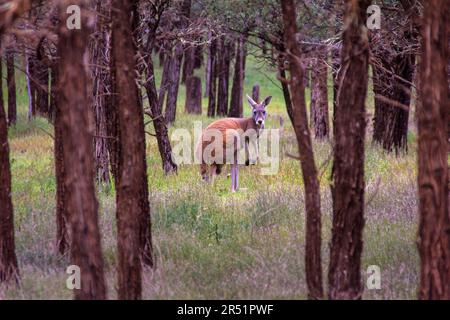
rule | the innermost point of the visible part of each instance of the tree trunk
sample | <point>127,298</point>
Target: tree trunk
<point>131,205</point>
<point>284,85</point>
<point>42,78</point>
<point>100,49</point>
<point>212,79</point>
<point>62,218</point>
<point>145,235</point>
<point>336,64</point>
<point>237,90</point>
<point>173,84</point>
<point>309,171</point>
<point>9,270</point>
<point>159,123</point>
<point>194,95</point>
<point>319,94</point>
<point>112,124</point>
<point>11,83</point>
<point>31,90</point>
<point>224,76</point>
<point>433,116</point>
<point>391,122</point>
<point>348,163</point>
<point>198,62</point>
<point>208,68</point>
<point>82,206</point>
<point>189,64</point>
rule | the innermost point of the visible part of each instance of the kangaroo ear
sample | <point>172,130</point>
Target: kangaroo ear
<point>267,101</point>
<point>251,101</point>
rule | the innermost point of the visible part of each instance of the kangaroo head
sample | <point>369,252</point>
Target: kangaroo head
<point>259,110</point>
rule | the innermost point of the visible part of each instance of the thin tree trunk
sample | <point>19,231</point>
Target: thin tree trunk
<point>131,206</point>
<point>31,102</point>
<point>348,161</point>
<point>11,83</point>
<point>319,94</point>
<point>9,270</point>
<point>159,123</point>
<point>309,171</point>
<point>173,84</point>
<point>188,65</point>
<point>284,85</point>
<point>224,76</point>
<point>42,78</point>
<point>198,62</point>
<point>212,79</point>
<point>82,206</point>
<point>194,95</point>
<point>100,48</point>
<point>145,235</point>
<point>433,176</point>
<point>237,91</point>
<point>208,69</point>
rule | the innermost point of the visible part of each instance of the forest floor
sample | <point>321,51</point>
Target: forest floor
<point>211,243</point>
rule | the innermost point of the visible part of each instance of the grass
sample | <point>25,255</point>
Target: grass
<point>209,242</point>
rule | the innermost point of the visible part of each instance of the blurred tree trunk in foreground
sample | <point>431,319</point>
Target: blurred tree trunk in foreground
<point>133,220</point>
<point>82,206</point>
<point>308,166</point>
<point>433,121</point>
<point>347,187</point>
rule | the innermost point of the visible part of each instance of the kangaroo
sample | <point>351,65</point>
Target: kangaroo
<point>223,139</point>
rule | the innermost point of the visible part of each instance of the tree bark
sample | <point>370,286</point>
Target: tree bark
<point>62,218</point>
<point>319,94</point>
<point>100,49</point>
<point>159,122</point>
<point>391,122</point>
<point>131,205</point>
<point>284,85</point>
<point>309,171</point>
<point>82,206</point>
<point>347,187</point>
<point>188,65</point>
<point>212,79</point>
<point>173,84</point>
<point>433,121</point>
<point>9,270</point>
<point>31,90</point>
<point>194,95</point>
<point>11,83</point>
<point>237,91</point>
<point>224,76</point>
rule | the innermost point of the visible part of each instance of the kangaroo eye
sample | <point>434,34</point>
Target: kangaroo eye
<point>264,112</point>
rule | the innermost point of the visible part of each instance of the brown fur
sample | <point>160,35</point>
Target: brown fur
<point>244,124</point>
